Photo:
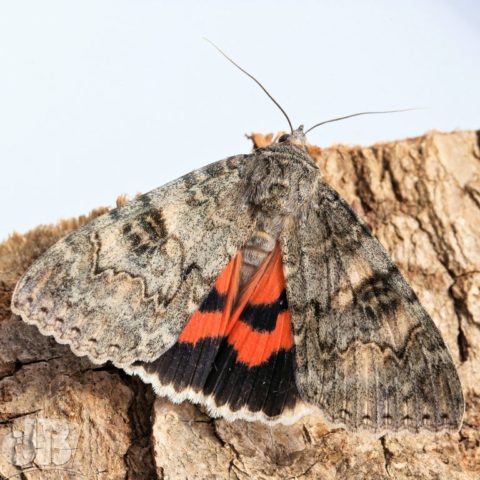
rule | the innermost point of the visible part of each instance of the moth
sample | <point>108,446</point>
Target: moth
<point>251,287</point>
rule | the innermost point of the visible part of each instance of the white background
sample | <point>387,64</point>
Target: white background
<point>103,97</point>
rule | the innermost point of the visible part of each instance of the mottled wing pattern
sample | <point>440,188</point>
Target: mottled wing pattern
<point>368,355</point>
<point>109,288</point>
<point>235,357</point>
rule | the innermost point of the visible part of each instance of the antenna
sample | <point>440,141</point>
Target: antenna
<point>357,115</point>
<point>254,79</point>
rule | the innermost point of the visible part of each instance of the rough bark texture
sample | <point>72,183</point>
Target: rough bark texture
<point>61,417</point>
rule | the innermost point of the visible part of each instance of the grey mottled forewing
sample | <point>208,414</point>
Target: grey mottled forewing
<point>122,287</point>
<point>368,355</point>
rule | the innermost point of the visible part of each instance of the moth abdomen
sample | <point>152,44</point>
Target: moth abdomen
<point>258,247</point>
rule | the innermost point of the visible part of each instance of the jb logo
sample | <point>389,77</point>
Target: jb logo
<point>43,441</point>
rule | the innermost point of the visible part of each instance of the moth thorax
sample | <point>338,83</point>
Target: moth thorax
<point>282,180</point>
<point>254,253</point>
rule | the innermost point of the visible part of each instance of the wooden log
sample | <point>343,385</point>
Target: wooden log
<point>62,417</point>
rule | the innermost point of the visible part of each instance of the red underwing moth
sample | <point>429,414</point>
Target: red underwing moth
<point>251,287</point>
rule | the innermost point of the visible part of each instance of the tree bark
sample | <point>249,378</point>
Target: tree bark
<point>62,417</point>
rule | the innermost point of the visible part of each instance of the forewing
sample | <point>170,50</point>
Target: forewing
<point>367,352</point>
<point>122,287</point>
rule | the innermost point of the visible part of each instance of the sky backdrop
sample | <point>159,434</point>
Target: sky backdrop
<point>104,97</point>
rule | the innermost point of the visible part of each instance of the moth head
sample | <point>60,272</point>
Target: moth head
<point>297,138</point>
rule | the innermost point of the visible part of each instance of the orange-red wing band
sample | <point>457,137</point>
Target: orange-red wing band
<point>261,322</point>
<point>211,319</point>
<point>238,347</point>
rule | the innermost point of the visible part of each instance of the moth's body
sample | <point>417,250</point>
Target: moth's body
<point>279,186</point>
<point>251,287</point>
